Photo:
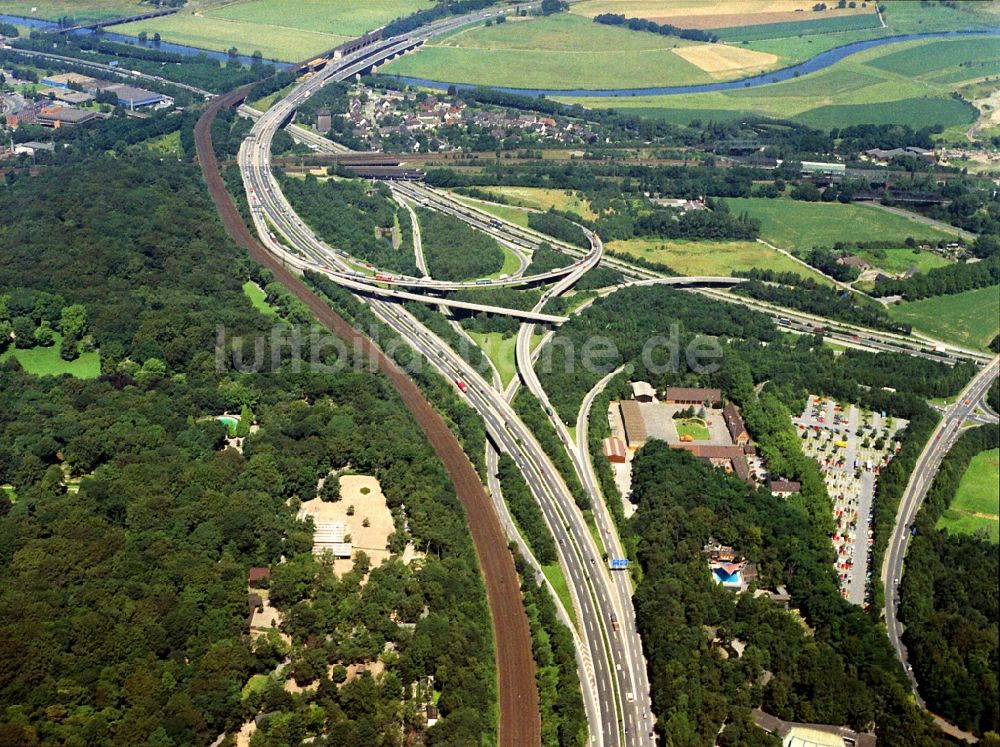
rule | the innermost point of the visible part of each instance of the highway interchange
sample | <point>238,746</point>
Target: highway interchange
<point>612,667</point>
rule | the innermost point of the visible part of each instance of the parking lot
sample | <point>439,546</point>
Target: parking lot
<point>851,446</point>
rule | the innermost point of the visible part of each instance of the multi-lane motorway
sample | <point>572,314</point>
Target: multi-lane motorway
<point>615,713</point>
<point>612,667</point>
<point>946,433</point>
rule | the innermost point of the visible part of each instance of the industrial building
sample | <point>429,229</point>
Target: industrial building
<point>67,80</point>
<point>67,96</point>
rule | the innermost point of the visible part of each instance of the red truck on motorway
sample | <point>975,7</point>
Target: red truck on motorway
<point>462,386</point>
<point>383,277</point>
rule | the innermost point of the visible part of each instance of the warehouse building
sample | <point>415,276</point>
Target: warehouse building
<point>137,98</point>
<point>635,426</point>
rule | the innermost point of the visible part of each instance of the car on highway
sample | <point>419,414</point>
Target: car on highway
<point>462,386</point>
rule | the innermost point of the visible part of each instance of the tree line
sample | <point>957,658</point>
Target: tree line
<point>943,281</point>
<point>664,29</point>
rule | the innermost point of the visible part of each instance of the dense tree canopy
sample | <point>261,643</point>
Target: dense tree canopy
<point>125,554</point>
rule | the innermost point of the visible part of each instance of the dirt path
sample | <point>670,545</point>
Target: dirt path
<point>519,718</point>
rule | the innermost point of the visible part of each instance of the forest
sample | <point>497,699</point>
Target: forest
<point>456,251</point>
<point>949,603</point>
<point>713,654</point>
<point>354,218</point>
<point>125,553</point>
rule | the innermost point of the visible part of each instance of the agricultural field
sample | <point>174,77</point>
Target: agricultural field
<point>543,199</point>
<point>340,17</point>
<point>797,225</point>
<point>969,319</point>
<point>562,52</point>
<point>220,34</point>
<point>976,505</point>
<point>910,82</point>
<point>89,10</point>
<point>289,30</point>
<point>712,257</point>
<point>709,14</point>
<point>48,362</point>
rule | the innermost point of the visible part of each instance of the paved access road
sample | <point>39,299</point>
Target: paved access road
<point>941,440</point>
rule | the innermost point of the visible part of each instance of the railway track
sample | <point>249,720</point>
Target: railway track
<point>520,723</point>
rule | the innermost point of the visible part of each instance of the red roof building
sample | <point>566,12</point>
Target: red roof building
<point>615,450</point>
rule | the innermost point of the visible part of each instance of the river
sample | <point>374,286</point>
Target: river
<point>818,62</point>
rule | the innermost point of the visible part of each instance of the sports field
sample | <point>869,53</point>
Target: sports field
<point>560,51</point>
<point>910,82</point>
<point>48,362</point>
<point>543,199</point>
<point>976,505</point>
<point>712,257</point>
<point>969,319</point>
<point>797,225</point>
